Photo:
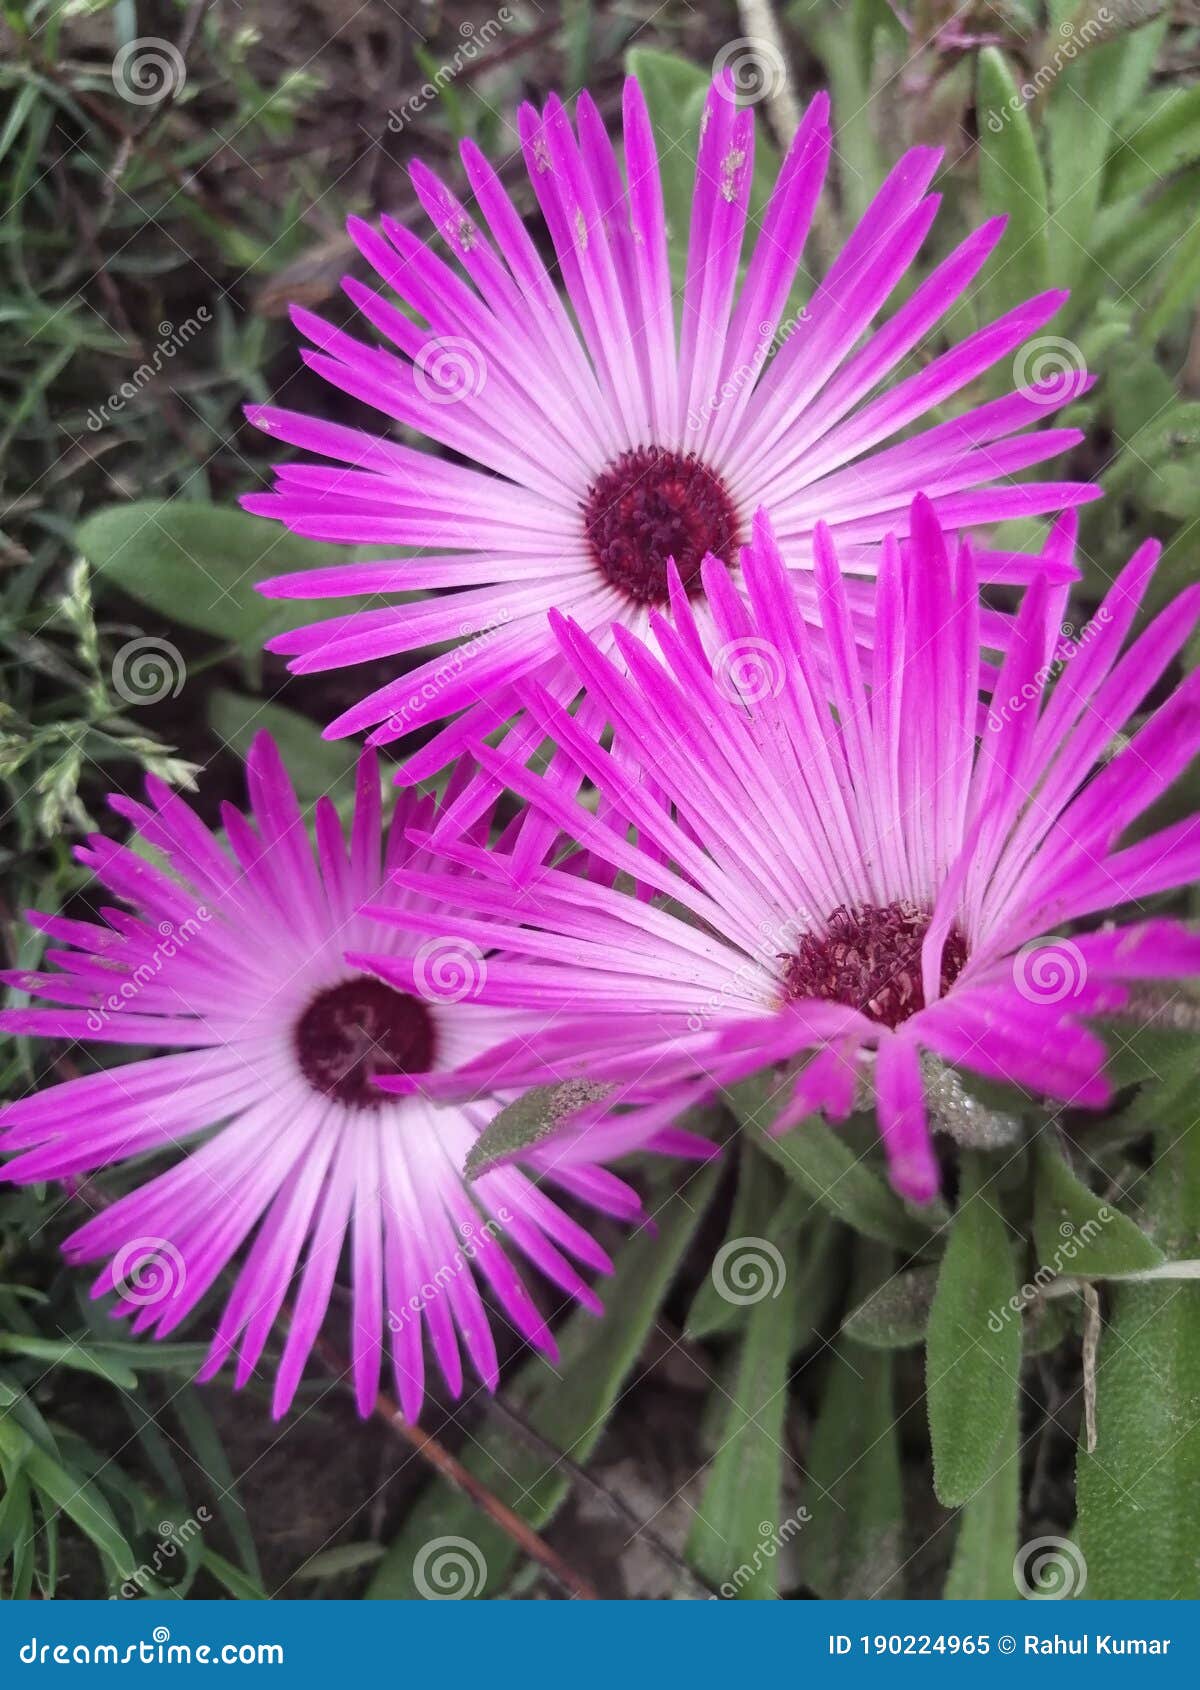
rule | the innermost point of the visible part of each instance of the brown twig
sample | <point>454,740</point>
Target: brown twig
<point>452,1470</point>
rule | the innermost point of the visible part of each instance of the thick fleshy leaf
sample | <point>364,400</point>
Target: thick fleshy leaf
<point>529,1120</point>
<point>759,1187</point>
<point>827,1167</point>
<point>1076,1232</point>
<point>896,1314</point>
<point>973,1352</point>
<point>318,766</point>
<point>740,1530</point>
<point>1011,184</point>
<point>1138,1492</point>
<point>198,564</point>
<point>853,1547</point>
<point>982,1568</point>
<point>1156,144</point>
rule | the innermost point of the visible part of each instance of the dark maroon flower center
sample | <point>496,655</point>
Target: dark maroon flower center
<point>870,959</point>
<point>651,505</point>
<point>352,1032</point>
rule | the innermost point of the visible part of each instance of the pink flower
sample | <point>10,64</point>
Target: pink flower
<point>234,964</point>
<point>832,873</point>
<point>592,447</point>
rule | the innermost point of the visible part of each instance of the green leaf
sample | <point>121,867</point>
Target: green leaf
<point>535,1116</point>
<point>827,1167</point>
<point>853,1544</point>
<point>755,1203</point>
<point>1087,101</point>
<point>73,1493</point>
<point>973,1353</point>
<point>205,1443</point>
<point>198,564</point>
<point>1163,141</point>
<point>735,1534</point>
<point>566,1404</point>
<point>741,1527</point>
<point>317,766</point>
<point>1139,1491</point>
<point>1179,288</point>
<point>235,1581</point>
<point>1011,182</point>
<point>61,1352</point>
<point>847,75</point>
<point>896,1314</point>
<point>16,1524</point>
<point>1120,70</point>
<point>675,91</point>
<point>982,1568</point>
<point>346,1558</point>
<point>1075,1232</point>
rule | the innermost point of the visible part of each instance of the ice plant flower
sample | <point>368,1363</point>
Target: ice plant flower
<point>841,874</point>
<point>590,448</point>
<point>232,963</point>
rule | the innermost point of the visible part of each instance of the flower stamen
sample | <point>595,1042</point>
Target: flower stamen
<point>361,1028</point>
<point>869,958</point>
<point>652,505</point>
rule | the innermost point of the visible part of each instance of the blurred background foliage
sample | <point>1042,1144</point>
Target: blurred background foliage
<point>150,248</point>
